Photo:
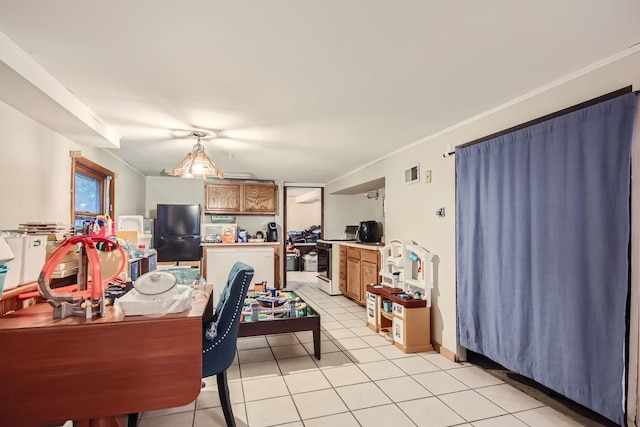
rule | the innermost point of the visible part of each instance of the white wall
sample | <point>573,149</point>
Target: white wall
<point>301,216</point>
<point>35,173</point>
<point>171,190</point>
<point>341,210</point>
<point>410,213</point>
<point>338,212</point>
<point>365,209</point>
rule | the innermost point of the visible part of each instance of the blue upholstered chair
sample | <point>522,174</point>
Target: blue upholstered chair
<point>220,333</point>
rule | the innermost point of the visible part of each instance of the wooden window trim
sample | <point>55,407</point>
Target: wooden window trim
<point>86,166</point>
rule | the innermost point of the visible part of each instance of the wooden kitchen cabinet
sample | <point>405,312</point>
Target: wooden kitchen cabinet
<point>362,270</point>
<point>354,284</point>
<point>369,268</point>
<point>368,274</point>
<point>276,267</point>
<point>259,198</point>
<point>241,198</point>
<point>222,198</point>
<point>343,269</point>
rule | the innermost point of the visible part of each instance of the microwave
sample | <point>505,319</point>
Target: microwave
<point>218,233</point>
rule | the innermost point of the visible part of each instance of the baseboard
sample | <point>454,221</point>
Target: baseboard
<point>445,352</point>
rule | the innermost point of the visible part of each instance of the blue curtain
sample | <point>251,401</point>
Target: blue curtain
<point>542,240</point>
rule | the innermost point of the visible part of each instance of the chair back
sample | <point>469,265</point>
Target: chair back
<point>220,332</point>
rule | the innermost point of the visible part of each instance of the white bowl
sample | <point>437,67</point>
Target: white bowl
<point>155,283</point>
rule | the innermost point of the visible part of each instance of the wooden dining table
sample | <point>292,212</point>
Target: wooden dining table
<point>94,370</point>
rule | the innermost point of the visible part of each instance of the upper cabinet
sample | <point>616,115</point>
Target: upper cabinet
<point>259,198</point>
<point>241,198</point>
<point>222,198</point>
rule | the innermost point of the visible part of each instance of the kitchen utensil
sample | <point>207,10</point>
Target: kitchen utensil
<point>272,232</point>
<point>369,231</point>
<point>155,283</point>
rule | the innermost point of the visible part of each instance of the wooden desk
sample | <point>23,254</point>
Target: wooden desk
<point>56,370</point>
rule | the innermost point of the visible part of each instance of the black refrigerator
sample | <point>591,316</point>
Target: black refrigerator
<point>177,235</point>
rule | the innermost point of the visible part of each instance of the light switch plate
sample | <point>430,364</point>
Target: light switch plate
<point>427,177</point>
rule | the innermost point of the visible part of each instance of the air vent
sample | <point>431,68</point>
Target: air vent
<point>412,174</point>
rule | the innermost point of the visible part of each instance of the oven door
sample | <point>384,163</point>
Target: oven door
<point>324,260</point>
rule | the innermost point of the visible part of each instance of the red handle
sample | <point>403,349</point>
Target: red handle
<point>88,243</point>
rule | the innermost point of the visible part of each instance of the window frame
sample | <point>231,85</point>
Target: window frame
<point>94,170</point>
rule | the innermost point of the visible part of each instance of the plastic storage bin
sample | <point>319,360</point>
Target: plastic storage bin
<point>3,273</point>
<point>310,262</point>
<point>30,254</point>
<point>292,262</point>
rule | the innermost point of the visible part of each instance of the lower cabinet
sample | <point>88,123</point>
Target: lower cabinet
<point>368,273</point>
<point>362,270</point>
<point>343,269</point>
<point>276,267</point>
<point>353,279</point>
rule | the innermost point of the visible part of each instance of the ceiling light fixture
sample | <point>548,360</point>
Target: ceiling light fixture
<point>197,164</point>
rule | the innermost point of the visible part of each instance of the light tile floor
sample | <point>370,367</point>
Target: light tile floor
<point>361,380</point>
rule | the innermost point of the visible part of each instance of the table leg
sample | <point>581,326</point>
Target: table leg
<point>116,421</point>
<point>316,342</point>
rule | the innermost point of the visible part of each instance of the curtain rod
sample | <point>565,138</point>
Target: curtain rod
<point>550,116</point>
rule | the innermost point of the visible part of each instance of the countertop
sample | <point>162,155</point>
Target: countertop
<point>354,244</point>
<point>235,245</point>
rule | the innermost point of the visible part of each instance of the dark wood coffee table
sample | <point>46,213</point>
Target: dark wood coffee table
<point>281,320</point>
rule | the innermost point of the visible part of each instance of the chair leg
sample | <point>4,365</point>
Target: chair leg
<point>132,420</point>
<point>223,392</point>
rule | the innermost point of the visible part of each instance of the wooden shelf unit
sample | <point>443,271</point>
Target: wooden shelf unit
<point>409,320</point>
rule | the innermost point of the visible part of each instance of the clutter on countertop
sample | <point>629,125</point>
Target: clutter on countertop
<point>223,219</point>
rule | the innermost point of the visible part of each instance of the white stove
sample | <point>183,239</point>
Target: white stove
<point>329,277</point>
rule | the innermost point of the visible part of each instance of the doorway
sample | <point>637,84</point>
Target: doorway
<point>303,226</point>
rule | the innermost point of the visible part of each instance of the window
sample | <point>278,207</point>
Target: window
<point>93,191</point>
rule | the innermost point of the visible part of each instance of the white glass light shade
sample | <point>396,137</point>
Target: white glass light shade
<point>197,165</point>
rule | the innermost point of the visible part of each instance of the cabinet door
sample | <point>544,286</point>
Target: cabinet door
<point>368,274</point>
<point>259,198</point>
<point>354,285</point>
<point>276,267</point>
<point>343,269</point>
<point>222,198</point>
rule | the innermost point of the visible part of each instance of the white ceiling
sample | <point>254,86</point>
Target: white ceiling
<point>304,91</point>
